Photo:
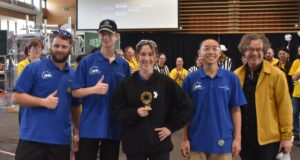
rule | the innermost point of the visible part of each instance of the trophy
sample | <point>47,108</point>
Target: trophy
<point>146,98</point>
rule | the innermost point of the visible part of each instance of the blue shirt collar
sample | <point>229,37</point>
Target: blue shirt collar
<point>52,65</point>
<point>102,58</point>
<point>204,75</point>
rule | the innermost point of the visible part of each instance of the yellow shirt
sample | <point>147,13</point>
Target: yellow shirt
<point>274,61</point>
<point>22,65</point>
<point>133,64</point>
<point>295,69</point>
<point>178,76</point>
<point>273,104</point>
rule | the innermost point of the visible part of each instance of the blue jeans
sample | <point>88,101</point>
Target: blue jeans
<point>296,110</point>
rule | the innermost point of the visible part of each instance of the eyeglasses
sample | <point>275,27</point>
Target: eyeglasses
<point>206,49</point>
<point>62,32</point>
<point>251,50</point>
<point>145,41</point>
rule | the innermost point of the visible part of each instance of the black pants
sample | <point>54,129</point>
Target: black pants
<point>89,147</point>
<point>157,156</point>
<point>28,150</point>
<point>252,150</point>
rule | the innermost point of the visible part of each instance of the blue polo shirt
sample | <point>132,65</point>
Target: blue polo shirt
<point>96,120</point>
<point>40,124</point>
<point>211,128</point>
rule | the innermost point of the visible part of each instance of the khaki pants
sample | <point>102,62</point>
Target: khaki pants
<point>210,156</point>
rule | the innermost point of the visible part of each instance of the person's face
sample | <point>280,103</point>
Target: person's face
<point>254,53</point>
<point>269,55</point>
<point>283,56</point>
<point>35,52</point>
<point>179,63</point>
<point>162,59</point>
<point>199,61</point>
<point>210,52</point>
<point>60,50</point>
<point>146,58</point>
<point>108,39</point>
<point>130,53</point>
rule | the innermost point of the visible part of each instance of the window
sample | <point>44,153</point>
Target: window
<point>44,4</point>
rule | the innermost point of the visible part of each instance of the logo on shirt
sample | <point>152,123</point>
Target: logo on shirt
<point>155,94</point>
<point>197,86</point>
<point>225,87</point>
<point>46,75</point>
<point>94,70</point>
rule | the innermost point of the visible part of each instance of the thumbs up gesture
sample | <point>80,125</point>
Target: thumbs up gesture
<point>100,87</point>
<point>51,101</point>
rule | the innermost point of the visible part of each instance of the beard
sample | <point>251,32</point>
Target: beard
<point>60,57</point>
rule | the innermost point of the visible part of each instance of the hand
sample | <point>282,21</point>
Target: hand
<point>163,133</point>
<point>101,88</point>
<point>51,101</point>
<point>236,147</point>
<point>286,145</point>
<point>185,148</point>
<point>75,144</point>
<point>144,111</point>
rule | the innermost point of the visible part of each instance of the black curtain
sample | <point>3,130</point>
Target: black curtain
<point>186,45</point>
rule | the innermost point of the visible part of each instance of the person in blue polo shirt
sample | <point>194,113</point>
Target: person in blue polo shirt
<point>97,76</point>
<point>44,91</point>
<point>215,129</point>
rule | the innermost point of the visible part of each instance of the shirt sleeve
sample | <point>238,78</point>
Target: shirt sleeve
<point>80,76</point>
<point>26,80</point>
<point>182,108</point>
<point>237,94</point>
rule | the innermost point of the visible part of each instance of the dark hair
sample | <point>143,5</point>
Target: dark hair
<point>283,49</point>
<point>207,40</point>
<point>34,43</point>
<point>247,38</point>
<point>26,50</point>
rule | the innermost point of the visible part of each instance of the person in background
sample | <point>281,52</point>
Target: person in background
<point>295,73</point>
<point>198,62</point>
<point>215,129</point>
<point>285,65</point>
<point>150,106</point>
<point>267,119</point>
<point>269,56</point>
<point>161,66</point>
<point>35,49</point>
<point>97,76</point>
<point>120,52</point>
<point>43,91</point>
<point>224,61</point>
<point>179,73</point>
<point>131,59</point>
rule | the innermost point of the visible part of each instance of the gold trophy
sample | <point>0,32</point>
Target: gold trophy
<point>146,98</point>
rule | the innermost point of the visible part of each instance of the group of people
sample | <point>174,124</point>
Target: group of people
<point>223,114</point>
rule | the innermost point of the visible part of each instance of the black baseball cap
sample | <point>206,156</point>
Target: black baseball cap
<point>108,25</point>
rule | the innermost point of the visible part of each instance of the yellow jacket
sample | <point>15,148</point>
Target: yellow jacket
<point>178,76</point>
<point>133,64</point>
<point>22,65</point>
<point>273,104</point>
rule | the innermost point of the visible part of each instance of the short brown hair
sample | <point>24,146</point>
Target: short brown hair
<point>247,38</point>
<point>35,42</point>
